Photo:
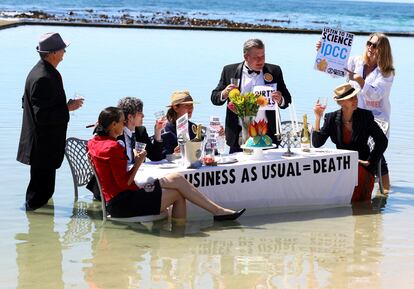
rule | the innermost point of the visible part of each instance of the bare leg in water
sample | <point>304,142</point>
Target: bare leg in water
<point>176,190</point>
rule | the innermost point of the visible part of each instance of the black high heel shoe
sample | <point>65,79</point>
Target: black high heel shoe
<point>229,217</point>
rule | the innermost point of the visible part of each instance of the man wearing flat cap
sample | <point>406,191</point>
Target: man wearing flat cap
<point>45,120</point>
<point>249,75</point>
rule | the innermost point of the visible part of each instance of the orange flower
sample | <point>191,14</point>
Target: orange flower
<point>261,127</point>
<point>252,129</point>
<point>261,101</point>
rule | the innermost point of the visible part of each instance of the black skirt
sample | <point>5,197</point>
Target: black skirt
<point>143,202</point>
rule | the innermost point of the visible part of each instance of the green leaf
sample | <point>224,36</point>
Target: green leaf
<point>256,139</point>
<point>267,140</point>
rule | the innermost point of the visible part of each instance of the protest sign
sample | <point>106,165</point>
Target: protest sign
<point>333,55</point>
<point>266,91</point>
<point>182,127</point>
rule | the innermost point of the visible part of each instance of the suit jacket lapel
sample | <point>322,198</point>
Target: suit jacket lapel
<point>338,123</point>
<point>239,71</point>
<point>356,125</point>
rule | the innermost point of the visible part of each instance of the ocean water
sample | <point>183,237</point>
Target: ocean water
<point>312,14</point>
<point>65,245</point>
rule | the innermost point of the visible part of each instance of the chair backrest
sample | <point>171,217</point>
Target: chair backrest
<point>103,203</point>
<point>76,154</point>
<point>286,127</point>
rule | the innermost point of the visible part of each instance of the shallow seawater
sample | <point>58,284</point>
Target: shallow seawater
<point>66,245</point>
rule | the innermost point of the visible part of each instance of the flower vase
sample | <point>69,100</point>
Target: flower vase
<point>245,121</point>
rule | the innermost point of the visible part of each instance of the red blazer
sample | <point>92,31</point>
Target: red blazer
<point>111,166</point>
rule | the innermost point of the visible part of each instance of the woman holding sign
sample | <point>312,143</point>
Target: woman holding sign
<point>181,103</point>
<point>373,72</point>
<point>349,128</point>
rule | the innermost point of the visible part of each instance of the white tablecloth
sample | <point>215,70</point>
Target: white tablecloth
<point>321,178</point>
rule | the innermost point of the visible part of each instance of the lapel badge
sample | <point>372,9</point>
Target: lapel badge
<point>268,77</point>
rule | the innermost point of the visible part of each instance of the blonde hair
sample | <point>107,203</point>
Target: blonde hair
<point>384,61</point>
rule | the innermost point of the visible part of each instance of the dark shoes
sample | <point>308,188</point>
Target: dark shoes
<point>229,217</point>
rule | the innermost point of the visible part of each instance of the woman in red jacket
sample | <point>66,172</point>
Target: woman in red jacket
<point>123,197</point>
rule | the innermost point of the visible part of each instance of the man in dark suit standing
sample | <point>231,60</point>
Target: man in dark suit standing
<point>253,71</point>
<point>45,119</point>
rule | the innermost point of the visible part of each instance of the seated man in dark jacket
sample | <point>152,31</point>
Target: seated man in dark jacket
<point>135,132</point>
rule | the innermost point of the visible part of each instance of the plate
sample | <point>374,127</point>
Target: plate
<point>227,160</point>
<point>257,148</point>
<point>168,166</point>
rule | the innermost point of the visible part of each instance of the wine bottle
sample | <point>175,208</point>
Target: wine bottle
<point>305,143</point>
<point>198,137</point>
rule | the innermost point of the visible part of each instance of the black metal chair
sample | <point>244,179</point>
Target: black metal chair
<point>76,153</point>
<point>136,219</point>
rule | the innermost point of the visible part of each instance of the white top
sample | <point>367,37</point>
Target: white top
<point>375,95</point>
<point>128,144</point>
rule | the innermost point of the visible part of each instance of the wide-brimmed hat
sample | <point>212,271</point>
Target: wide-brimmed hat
<point>181,97</point>
<point>345,91</point>
<point>51,42</point>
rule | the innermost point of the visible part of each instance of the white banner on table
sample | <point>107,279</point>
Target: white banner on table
<point>266,91</point>
<point>333,55</point>
<point>324,177</point>
<point>182,127</point>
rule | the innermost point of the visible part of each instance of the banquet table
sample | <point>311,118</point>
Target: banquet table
<point>321,178</point>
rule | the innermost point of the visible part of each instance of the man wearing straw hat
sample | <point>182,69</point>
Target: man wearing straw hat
<point>45,119</point>
<point>253,71</point>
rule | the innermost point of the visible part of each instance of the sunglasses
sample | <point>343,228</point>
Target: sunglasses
<point>369,43</point>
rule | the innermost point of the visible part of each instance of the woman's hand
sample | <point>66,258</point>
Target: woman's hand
<point>158,127</point>
<point>364,163</point>
<point>318,45</point>
<point>140,156</point>
<point>355,77</point>
<point>318,110</point>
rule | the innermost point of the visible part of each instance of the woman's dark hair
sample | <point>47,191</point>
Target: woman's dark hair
<point>172,115</point>
<point>106,117</point>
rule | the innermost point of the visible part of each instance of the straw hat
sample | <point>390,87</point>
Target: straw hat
<point>345,91</point>
<point>51,42</point>
<point>181,97</point>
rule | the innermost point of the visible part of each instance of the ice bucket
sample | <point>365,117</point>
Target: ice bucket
<point>192,154</point>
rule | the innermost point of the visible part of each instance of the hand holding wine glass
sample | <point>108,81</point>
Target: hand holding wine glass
<point>160,122</point>
<point>76,102</point>
<point>139,152</point>
<point>320,106</point>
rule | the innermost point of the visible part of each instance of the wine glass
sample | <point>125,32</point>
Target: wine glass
<point>220,140</point>
<point>235,81</point>
<point>323,101</point>
<point>160,119</point>
<point>140,146</point>
<point>77,96</point>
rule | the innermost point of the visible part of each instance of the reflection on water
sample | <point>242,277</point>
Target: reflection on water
<point>39,252</point>
<point>68,246</point>
<point>307,250</point>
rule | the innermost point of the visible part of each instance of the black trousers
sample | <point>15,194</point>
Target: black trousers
<point>41,187</point>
